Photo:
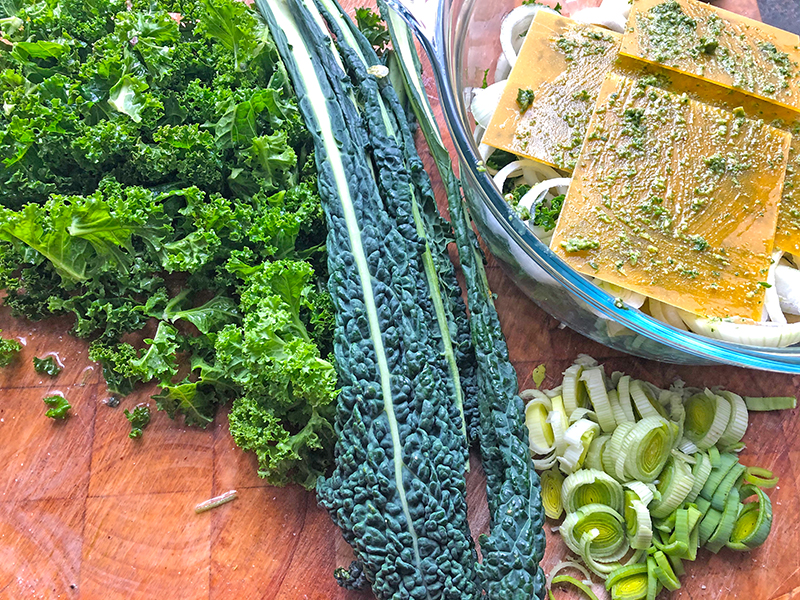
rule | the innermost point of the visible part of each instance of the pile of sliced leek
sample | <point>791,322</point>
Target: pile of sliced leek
<point>643,477</point>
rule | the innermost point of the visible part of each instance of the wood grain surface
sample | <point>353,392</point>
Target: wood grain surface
<point>87,513</point>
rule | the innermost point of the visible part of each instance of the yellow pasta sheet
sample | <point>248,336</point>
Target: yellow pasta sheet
<point>717,46</point>
<point>562,63</point>
<point>675,199</point>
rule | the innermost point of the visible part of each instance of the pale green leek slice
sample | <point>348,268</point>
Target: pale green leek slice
<point>644,491</point>
<point>722,534</point>
<point>763,478</point>
<point>731,480</point>
<point>605,526</point>
<point>675,483</point>
<point>594,457</point>
<point>663,571</point>
<point>646,405</point>
<point>596,388</point>
<point>718,473</point>
<point>650,447</point>
<point>700,473</point>
<point>540,432</point>
<point>707,416</point>
<point>589,486</point>
<point>777,403</point>
<point>624,392</point>
<point>572,390</point>
<point>552,482</point>
<point>574,582</point>
<point>638,522</point>
<point>616,408</point>
<point>613,450</point>
<point>737,424</point>
<point>754,521</point>
<point>577,439</point>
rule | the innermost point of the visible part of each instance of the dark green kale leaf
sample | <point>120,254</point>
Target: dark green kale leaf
<point>139,418</point>
<point>46,366</point>
<point>58,407</point>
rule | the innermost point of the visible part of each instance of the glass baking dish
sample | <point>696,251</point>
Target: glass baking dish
<point>461,39</point>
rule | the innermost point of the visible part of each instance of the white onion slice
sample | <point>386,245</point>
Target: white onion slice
<point>514,28</point>
<point>604,17</point>
<point>531,197</point>
<point>503,69</point>
<point>631,298</point>
<point>485,101</point>
<point>772,303</point>
<point>744,331</point>
<point>787,287</point>
<point>666,314</point>
<point>622,7</point>
<point>512,169</point>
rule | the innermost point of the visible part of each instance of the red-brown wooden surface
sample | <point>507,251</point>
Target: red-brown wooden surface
<point>87,513</point>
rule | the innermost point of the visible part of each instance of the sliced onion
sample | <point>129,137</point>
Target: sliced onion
<point>787,287</point>
<point>666,314</point>
<point>772,303</point>
<point>535,195</point>
<point>744,331</point>
<point>503,69</point>
<point>629,297</point>
<point>514,27</point>
<point>601,16</point>
<point>485,102</point>
<point>512,169</point>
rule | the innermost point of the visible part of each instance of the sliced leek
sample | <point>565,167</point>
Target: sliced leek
<point>675,484</point>
<point>596,388</point>
<point>761,477</point>
<point>707,416</point>
<point>573,390</point>
<point>645,404</point>
<point>650,447</point>
<point>777,403</point>
<point>737,423</point>
<point>606,527</point>
<point>638,522</point>
<point>754,522</point>
<point>552,482</point>
<point>574,582</point>
<point>589,486</point>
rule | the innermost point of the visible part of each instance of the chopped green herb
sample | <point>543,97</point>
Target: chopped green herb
<point>546,216</point>
<point>58,407</point>
<point>698,243</point>
<point>524,99</point>
<point>46,366</point>
<point>579,244</point>
<point>139,419</point>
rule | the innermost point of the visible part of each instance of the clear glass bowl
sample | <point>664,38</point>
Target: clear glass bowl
<point>461,38</point>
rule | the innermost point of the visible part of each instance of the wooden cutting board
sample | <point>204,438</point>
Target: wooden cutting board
<point>87,513</point>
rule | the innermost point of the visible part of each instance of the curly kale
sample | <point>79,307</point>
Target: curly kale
<point>58,407</point>
<point>139,418</point>
<point>156,176</point>
<point>46,366</point>
<point>8,351</point>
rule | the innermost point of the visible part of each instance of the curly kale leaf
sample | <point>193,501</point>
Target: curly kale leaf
<point>46,366</point>
<point>190,399</point>
<point>8,351</point>
<point>139,418</point>
<point>58,407</point>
